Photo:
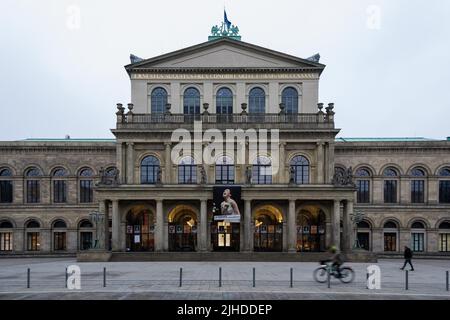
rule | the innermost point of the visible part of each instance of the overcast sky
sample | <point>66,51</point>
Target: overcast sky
<point>61,62</point>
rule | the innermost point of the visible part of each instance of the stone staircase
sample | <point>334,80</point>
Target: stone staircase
<point>235,256</point>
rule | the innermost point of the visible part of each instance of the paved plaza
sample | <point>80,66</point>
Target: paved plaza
<point>200,280</point>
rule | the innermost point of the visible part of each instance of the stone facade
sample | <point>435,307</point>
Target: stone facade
<point>299,210</point>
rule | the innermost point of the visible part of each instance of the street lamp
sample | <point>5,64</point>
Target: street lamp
<point>97,218</point>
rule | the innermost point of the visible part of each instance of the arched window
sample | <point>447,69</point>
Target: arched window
<point>418,186</point>
<point>224,170</point>
<point>158,100</point>
<point>390,185</point>
<point>444,236</point>
<point>417,225</point>
<point>5,172</point>
<point>224,101</point>
<point>150,168</point>
<point>300,168</point>
<point>187,171</point>
<point>110,172</point>
<point>390,236</point>
<point>33,189</point>
<point>191,101</point>
<point>86,185</point>
<point>444,185</point>
<point>6,236</point>
<point>33,235</point>
<point>6,186</point>
<point>418,236</point>
<point>59,235</point>
<point>85,228</point>
<point>363,185</point>
<point>262,170</point>
<point>59,186</point>
<point>59,224</point>
<point>289,97</point>
<point>390,225</point>
<point>363,225</point>
<point>257,100</point>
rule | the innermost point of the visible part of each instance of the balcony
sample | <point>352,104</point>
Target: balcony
<point>169,121</point>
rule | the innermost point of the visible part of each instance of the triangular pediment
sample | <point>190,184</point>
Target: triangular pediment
<point>225,53</point>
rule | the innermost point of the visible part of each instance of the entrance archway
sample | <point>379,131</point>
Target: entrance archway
<point>268,233</point>
<point>311,230</point>
<point>182,229</point>
<point>140,229</point>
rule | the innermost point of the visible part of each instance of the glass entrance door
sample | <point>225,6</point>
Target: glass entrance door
<point>140,231</point>
<point>225,236</point>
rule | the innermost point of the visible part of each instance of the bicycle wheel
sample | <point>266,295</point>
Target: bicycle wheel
<point>321,275</point>
<point>347,275</point>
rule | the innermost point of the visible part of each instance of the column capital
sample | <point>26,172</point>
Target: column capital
<point>130,143</point>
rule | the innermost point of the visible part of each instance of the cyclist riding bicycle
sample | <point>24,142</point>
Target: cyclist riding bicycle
<point>336,259</point>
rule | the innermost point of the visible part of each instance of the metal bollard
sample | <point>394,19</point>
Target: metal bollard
<point>367,280</point>
<point>328,278</point>
<point>220,277</point>
<point>104,277</point>
<point>65,285</point>
<point>254,276</point>
<point>447,280</point>
<point>292,278</point>
<point>406,280</point>
<point>181,277</point>
<point>28,278</point>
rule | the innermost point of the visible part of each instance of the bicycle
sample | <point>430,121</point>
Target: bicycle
<point>321,273</point>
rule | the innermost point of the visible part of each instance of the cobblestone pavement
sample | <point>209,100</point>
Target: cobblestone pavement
<point>160,280</point>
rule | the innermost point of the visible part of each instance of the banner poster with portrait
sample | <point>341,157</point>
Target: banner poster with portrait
<point>227,203</point>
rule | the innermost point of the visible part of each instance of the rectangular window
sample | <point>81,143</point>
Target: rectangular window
<point>6,191</point>
<point>6,241</point>
<point>363,192</point>
<point>187,174</point>
<point>33,241</point>
<point>225,174</point>
<point>86,191</point>
<point>59,191</point>
<point>390,191</point>
<point>59,241</point>
<point>444,191</point>
<point>85,240</point>
<point>444,242</point>
<point>418,242</point>
<point>417,191</point>
<point>33,191</point>
<point>390,242</point>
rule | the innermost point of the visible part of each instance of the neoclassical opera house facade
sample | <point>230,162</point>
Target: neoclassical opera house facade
<point>128,194</point>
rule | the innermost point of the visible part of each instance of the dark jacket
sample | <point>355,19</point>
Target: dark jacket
<point>408,253</point>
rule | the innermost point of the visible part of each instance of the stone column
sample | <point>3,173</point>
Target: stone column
<point>159,237</point>
<point>168,163</point>
<point>105,240</point>
<point>348,227</point>
<point>247,225</point>
<point>203,224</point>
<point>282,165</point>
<point>130,163</point>
<point>330,162</point>
<point>320,166</point>
<point>335,221</point>
<point>292,228</point>
<point>102,227</point>
<point>116,230</point>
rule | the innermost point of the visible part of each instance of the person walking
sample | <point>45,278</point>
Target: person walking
<point>408,256</point>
